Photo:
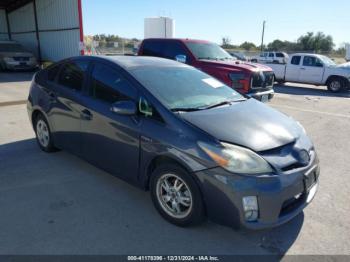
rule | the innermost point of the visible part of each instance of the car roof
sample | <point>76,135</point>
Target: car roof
<point>308,54</point>
<point>133,62</point>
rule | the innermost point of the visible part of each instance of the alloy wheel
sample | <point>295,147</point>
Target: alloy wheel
<point>42,132</point>
<point>174,196</point>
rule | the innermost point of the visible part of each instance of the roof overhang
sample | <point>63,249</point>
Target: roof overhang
<point>11,5</point>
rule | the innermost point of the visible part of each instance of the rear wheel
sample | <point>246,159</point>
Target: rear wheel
<point>335,84</point>
<point>176,196</point>
<point>43,134</point>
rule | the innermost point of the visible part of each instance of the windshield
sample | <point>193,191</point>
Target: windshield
<point>327,61</point>
<point>11,48</point>
<point>184,88</point>
<point>208,51</point>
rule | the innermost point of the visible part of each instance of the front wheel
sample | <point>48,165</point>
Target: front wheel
<point>176,196</point>
<point>335,85</point>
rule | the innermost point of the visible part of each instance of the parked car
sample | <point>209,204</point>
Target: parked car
<point>314,69</point>
<point>14,56</point>
<point>201,148</point>
<point>250,79</point>
<point>239,55</point>
<point>271,57</point>
<point>347,54</point>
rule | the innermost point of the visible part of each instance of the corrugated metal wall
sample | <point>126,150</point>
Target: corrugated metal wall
<point>22,26</point>
<point>58,26</point>
<point>58,14</point>
<point>3,25</point>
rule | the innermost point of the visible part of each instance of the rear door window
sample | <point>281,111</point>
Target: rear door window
<point>295,60</point>
<point>108,85</point>
<point>152,48</point>
<point>279,55</point>
<point>72,75</point>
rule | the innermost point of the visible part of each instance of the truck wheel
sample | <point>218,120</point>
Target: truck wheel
<point>335,84</point>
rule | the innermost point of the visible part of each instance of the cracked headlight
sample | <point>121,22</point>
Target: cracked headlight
<point>236,159</point>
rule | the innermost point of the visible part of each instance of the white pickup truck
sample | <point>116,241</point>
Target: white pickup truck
<point>313,69</point>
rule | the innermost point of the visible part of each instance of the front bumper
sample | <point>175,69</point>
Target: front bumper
<point>280,197</point>
<point>262,95</point>
<point>20,66</point>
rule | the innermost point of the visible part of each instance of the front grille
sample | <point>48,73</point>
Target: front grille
<point>262,80</point>
<point>21,59</point>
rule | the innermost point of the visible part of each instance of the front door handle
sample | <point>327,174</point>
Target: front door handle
<point>86,114</point>
<point>302,68</point>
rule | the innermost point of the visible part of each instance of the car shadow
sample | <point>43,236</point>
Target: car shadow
<point>59,204</point>
<point>10,77</point>
<point>294,89</point>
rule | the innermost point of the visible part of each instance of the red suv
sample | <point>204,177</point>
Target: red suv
<point>254,80</point>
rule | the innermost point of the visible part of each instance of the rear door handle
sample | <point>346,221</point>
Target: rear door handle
<point>302,68</point>
<point>86,114</point>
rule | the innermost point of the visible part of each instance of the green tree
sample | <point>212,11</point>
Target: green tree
<point>248,46</point>
<point>318,42</point>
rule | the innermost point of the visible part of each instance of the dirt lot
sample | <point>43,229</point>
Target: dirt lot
<point>59,204</point>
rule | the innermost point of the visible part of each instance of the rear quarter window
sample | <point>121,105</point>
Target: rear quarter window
<point>295,60</point>
<point>52,72</point>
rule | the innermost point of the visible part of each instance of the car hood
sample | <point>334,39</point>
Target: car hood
<point>251,124</point>
<point>236,64</point>
<point>16,54</point>
<point>344,66</point>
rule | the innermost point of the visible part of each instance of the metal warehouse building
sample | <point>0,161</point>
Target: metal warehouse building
<point>51,29</point>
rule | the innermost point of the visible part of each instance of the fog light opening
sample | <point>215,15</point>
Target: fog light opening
<point>251,209</point>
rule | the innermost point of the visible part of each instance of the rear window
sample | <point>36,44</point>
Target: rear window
<point>296,60</point>
<point>152,48</point>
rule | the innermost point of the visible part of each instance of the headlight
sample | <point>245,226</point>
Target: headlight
<point>236,159</point>
<point>239,80</point>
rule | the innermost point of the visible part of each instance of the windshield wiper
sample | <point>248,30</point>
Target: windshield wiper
<point>229,102</point>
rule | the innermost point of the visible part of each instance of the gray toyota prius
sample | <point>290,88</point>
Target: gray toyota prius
<point>200,148</point>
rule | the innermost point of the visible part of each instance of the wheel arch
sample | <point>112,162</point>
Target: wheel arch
<point>336,76</point>
<point>161,160</point>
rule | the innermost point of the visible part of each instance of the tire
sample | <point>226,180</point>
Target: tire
<point>43,134</point>
<point>254,61</point>
<point>335,84</point>
<point>187,198</point>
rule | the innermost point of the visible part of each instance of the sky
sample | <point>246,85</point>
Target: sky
<point>214,19</point>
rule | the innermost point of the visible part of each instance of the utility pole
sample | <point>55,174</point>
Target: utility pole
<point>262,37</point>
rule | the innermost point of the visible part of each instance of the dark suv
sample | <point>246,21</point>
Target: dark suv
<point>254,80</point>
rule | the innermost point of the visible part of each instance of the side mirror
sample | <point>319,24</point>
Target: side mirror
<point>181,58</point>
<point>127,108</point>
